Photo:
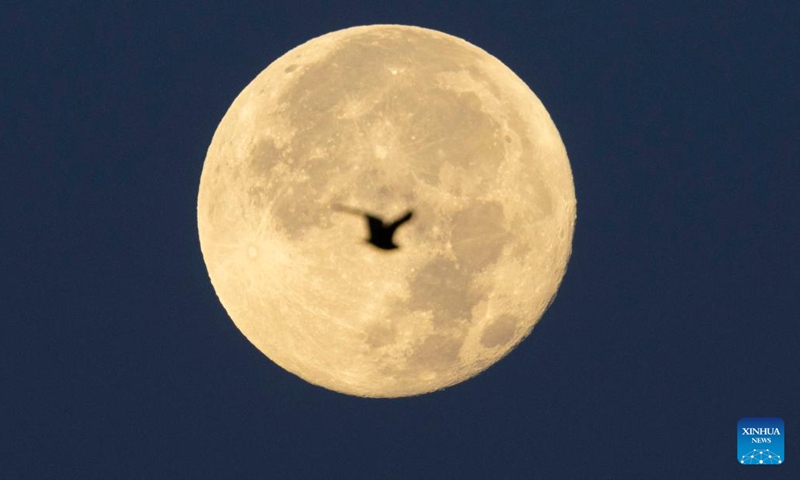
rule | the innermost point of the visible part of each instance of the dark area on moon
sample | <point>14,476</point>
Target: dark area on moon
<point>442,288</point>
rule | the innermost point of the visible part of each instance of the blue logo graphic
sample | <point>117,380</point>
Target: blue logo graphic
<point>760,441</point>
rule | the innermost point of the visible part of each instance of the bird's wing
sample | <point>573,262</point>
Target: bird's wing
<point>346,209</point>
<point>400,221</point>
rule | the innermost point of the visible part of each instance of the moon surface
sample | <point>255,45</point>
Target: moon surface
<point>386,119</point>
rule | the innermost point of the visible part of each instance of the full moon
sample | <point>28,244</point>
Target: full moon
<point>386,119</point>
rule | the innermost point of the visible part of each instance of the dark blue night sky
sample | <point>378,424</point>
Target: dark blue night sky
<point>678,314</point>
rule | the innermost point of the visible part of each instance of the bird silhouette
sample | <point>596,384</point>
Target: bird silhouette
<point>380,233</point>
